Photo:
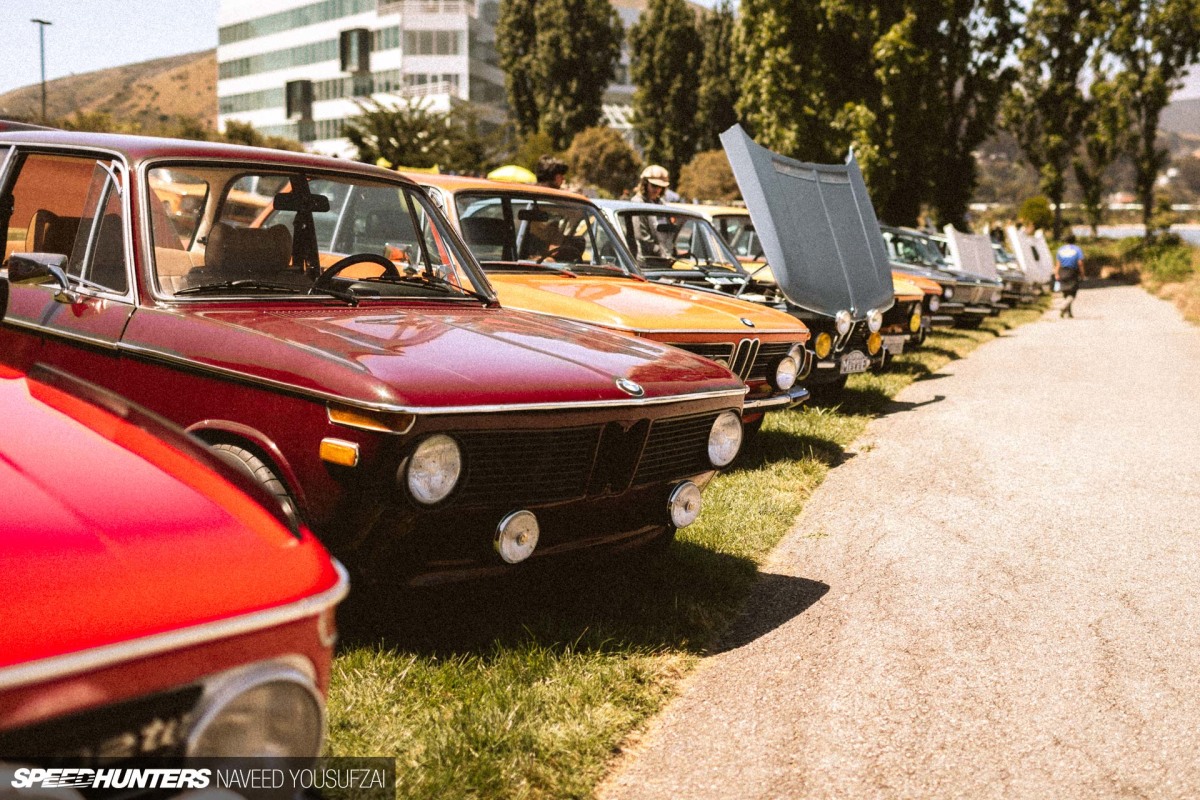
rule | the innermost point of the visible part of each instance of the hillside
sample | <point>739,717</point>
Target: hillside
<point>147,94</point>
<point>1182,116</point>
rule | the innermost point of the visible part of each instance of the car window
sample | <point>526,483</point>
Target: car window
<point>72,206</point>
<point>540,229</point>
<point>280,230</point>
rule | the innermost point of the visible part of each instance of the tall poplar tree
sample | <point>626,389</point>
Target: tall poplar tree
<point>558,57</point>
<point>1046,110</point>
<point>1105,137</point>
<point>1153,42</point>
<point>718,92</point>
<point>664,62</point>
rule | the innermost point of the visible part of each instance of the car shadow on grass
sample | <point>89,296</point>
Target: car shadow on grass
<point>770,446</point>
<point>650,600</point>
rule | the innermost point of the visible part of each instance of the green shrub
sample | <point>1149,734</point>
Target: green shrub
<point>1169,264</point>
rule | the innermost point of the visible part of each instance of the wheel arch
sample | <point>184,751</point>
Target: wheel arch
<point>217,431</point>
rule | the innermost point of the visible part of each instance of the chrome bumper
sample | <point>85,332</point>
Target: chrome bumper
<point>794,396</point>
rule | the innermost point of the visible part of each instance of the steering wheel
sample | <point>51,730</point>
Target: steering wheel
<point>329,273</point>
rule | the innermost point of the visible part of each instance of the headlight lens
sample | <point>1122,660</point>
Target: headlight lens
<point>947,292</point>
<point>786,372</point>
<point>725,439</point>
<point>934,303</point>
<point>275,713</point>
<point>843,320</point>
<point>823,346</point>
<point>433,470</point>
<point>874,320</point>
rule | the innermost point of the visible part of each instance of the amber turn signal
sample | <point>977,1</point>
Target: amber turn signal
<point>339,451</point>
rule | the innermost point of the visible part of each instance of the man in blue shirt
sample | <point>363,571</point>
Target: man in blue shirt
<point>1068,269</point>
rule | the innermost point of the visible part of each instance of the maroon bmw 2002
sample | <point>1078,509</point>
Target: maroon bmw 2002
<point>357,363</point>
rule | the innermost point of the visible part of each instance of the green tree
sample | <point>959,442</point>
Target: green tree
<point>1037,212</point>
<point>664,62</point>
<point>716,101</point>
<point>405,135</point>
<point>245,133</point>
<point>558,57</point>
<point>1152,42</point>
<point>1104,139</point>
<point>601,157</point>
<point>708,177</point>
<point>1046,110</point>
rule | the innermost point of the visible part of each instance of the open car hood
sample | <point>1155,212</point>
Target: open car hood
<point>972,253</point>
<point>1033,254</point>
<point>817,228</point>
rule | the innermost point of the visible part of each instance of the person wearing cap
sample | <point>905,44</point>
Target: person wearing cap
<point>550,171</point>
<point>651,188</point>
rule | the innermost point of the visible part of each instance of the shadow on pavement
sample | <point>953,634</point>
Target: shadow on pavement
<point>774,601</point>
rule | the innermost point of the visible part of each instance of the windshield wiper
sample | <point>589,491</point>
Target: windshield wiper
<point>266,286</point>
<point>433,282</point>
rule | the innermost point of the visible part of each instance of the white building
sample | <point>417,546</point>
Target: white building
<point>330,55</point>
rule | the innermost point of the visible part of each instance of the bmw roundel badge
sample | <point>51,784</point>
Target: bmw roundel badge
<point>630,388</point>
<point>747,323</point>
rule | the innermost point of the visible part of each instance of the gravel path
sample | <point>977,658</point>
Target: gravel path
<point>1013,604</point>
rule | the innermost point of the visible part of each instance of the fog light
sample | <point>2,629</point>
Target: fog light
<point>874,320</point>
<point>684,504</point>
<point>725,439</point>
<point>516,536</point>
<point>843,321</point>
<point>786,372</point>
<point>914,322</point>
<point>823,346</point>
<point>934,303</point>
<point>874,343</point>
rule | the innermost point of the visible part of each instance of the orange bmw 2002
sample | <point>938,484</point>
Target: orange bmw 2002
<point>553,252</point>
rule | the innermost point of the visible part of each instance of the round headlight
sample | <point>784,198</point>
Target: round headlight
<point>785,373</point>
<point>433,470</point>
<point>874,320</point>
<point>843,320</point>
<point>725,439</point>
<point>934,303</point>
<point>947,292</point>
<point>914,321</point>
<point>823,346</point>
<point>874,343</point>
<point>272,711</point>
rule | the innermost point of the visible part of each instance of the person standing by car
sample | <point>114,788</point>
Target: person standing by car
<point>550,171</point>
<point>1068,269</point>
<point>652,186</point>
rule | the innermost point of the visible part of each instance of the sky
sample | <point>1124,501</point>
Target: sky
<point>88,35</point>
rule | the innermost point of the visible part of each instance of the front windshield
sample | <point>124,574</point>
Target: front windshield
<point>912,249</point>
<point>518,232</point>
<point>686,242</point>
<point>738,231</point>
<point>247,231</point>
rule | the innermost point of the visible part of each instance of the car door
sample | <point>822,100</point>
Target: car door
<point>75,207</point>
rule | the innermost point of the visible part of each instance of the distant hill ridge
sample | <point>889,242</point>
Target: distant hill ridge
<point>149,93</point>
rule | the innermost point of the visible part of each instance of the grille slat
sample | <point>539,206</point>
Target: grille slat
<point>675,448</point>
<point>519,467</point>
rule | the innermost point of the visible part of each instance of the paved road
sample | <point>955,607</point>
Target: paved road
<point>1013,604</point>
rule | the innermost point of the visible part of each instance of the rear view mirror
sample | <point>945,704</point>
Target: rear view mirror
<point>294,201</point>
<point>534,214</point>
<point>667,227</point>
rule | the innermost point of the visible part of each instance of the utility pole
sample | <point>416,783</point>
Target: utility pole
<point>42,23</point>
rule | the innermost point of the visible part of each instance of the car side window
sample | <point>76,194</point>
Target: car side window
<point>72,206</point>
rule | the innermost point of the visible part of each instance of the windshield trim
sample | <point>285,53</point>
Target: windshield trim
<point>147,273</point>
<point>703,222</point>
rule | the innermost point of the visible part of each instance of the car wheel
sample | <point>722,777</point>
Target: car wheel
<point>970,323</point>
<point>247,461</point>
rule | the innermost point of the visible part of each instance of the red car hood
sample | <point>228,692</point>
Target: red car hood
<point>425,357</point>
<point>108,533</point>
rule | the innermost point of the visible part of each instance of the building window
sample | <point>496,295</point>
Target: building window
<point>432,43</point>
<point>303,55</point>
<point>310,14</point>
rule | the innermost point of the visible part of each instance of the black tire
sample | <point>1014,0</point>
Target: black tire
<point>827,394</point>
<point>750,431</point>
<point>247,461</point>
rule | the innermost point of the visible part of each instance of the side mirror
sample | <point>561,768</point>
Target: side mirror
<point>33,268</point>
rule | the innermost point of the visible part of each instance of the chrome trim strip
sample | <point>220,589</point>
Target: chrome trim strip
<point>61,666</point>
<point>795,395</point>
<point>429,410</point>
<point>64,333</point>
<point>651,333</point>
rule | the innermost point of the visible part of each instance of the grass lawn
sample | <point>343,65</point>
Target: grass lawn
<point>527,688</point>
